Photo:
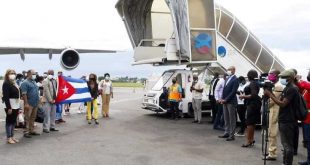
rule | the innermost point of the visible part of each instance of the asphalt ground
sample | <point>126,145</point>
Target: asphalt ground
<point>132,136</point>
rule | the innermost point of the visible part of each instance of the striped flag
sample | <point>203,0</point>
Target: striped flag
<point>71,90</point>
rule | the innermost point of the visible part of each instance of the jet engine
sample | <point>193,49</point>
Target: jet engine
<point>70,59</point>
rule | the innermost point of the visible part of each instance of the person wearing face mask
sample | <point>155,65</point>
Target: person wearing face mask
<point>218,92</point>
<point>304,88</point>
<point>273,128</point>
<point>40,112</point>
<point>287,122</point>
<point>229,101</point>
<point>296,135</point>
<point>19,79</point>
<point>174,97</point>
<point>49,97</point>
<point>253,106</point>
<point>92,106</point>
<point>106,90</point>
<point>11,101</point>
<point>197,89</point>
<point>30,92</point>
<point>241,108</point>
<point>45,75</point>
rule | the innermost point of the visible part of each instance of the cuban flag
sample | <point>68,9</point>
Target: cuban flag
<point>71,90</point>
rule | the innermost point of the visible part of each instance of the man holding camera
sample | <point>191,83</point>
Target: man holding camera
<point>287,121</point>
<point>273,128</point>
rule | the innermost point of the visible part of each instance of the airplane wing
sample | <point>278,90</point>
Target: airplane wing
<point>69,56</point>
<point>7,50</point>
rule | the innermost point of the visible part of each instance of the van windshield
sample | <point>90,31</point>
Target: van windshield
<point>162,81</point>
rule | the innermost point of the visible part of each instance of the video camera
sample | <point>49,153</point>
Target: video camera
<point>265,83</point>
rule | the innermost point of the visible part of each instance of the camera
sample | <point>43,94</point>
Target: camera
<point>265,83</point>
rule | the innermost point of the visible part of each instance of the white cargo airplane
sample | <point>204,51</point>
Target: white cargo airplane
<point>69,60</point>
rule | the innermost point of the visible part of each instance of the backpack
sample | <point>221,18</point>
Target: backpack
<point>301,108</point>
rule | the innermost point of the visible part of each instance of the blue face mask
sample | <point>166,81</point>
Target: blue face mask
<point>283,81</point>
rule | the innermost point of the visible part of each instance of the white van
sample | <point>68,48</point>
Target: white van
<point>156,99</point>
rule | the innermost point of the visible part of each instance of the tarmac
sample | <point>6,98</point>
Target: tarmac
<point>132,136</point>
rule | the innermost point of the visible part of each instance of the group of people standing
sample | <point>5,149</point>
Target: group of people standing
<point>230,96</point>
<point>29,96</point>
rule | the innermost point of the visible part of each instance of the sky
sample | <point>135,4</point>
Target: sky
<point>282,25</point>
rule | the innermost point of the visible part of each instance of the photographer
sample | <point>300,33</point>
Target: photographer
<point>253,105</point>
<point>287,121</point>
<point>273,128</point>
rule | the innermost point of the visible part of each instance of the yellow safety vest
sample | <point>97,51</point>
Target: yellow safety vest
<point>174,93</point>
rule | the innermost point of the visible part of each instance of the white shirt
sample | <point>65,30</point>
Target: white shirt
<point>198,95</point>
<point>106,87</point>
<point>241,89</point>
<point>218,92</point>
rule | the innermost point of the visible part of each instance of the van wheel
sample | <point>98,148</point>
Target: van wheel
<point>190,113</point>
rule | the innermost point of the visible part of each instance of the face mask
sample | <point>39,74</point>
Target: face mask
<point>272,77</point>
<point>283,81</point>
<point>34,77</point>
<point>44,75</point>
<point>12,76</point>
<point>308,78</point>
<point>50,77</point>
<point>107,78</point>
<point>229,73</point>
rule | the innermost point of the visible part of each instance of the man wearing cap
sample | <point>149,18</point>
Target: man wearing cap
<point>287,121</point>
<point>197,89</point>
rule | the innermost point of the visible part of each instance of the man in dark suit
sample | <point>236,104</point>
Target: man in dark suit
<point>211,96</point>
<point>229,101</point>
